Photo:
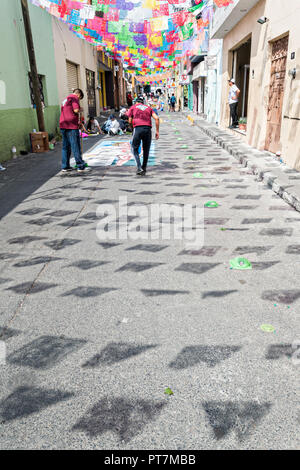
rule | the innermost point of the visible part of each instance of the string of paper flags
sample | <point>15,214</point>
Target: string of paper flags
<point>149,36</point>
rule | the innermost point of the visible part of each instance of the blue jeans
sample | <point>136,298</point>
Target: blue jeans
<point>71,143</point>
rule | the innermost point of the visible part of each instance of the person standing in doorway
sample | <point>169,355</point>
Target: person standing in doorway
<point>233,100</point>
<point>69,125</point>
<point>140,116</point>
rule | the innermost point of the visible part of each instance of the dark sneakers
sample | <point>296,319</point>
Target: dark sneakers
<point>84,170</point>
<point>140,172</point>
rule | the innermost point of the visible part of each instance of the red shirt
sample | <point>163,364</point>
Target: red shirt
<point>68,118</point>
<point>141,115</point>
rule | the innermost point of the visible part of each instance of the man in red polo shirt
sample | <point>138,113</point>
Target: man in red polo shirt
<point>140,117</point>
<point>69,126</point>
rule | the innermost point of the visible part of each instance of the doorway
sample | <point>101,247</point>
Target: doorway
<point>276,94</point>
<point>195,95</point>
<point>202,96</point>
<point>109,85</point>
<point>241,74</point>
<point>91,93</point>
<point>102,89</point>
<point>72,76</point>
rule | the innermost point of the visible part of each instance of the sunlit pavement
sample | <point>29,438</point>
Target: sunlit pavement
<point>96,330</point>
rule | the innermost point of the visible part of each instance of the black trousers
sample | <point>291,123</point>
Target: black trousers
<point>233,114</point>
<point>142,134</point>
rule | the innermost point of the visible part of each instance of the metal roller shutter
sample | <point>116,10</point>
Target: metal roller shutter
<point>72,76</point>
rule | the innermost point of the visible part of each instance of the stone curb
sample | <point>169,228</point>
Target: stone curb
<point>252,159</point>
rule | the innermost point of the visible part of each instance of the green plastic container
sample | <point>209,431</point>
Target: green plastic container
<point>240,263</point>
<point>211,204</point>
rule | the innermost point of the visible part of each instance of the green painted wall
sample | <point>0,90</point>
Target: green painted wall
<point>17,118</point>
<point>16,125</point>
<point>190,96</point>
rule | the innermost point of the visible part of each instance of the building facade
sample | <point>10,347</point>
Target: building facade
<point>76,67</point>
<point>17,113</point>
<point>261,51</point>
<point>120,85</point>
<point>213,81</point>
<point>106,81</point>
<point>200,88</point>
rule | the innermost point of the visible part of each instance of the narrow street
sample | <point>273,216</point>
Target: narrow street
<point>96,331</point>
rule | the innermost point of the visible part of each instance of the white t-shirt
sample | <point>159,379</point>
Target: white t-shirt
<point>115,126</point>
<point>232,93</point>
<point>95,126</point>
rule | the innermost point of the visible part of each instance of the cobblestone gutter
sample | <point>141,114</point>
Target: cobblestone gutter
<point>283,180</point>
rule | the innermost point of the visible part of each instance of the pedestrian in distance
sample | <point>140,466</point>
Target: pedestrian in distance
<point>233,100</point>
<point>140,116</point>
<point>169,103</point>
<point>69,125</point>
<point>173,102</point>
<point>129,99</point>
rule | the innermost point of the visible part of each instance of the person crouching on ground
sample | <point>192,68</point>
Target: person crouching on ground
<point>140,117</point>
<point>93,126</point>
<point>114,128</point>
<point>69,125</point>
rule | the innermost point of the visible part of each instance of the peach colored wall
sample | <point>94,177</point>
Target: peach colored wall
<point>284,17</point>
<point>68,46</point>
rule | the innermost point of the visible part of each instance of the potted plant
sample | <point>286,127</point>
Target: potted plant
<point>243,124</point>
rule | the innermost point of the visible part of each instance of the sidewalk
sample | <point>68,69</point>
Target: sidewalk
<point>26,174</point>
<point>283,180</point>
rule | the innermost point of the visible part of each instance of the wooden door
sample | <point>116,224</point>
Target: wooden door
<point>276,94</point>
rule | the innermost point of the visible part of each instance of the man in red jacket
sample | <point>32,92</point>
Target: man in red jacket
<point>140,117</point>
<point>69,126</point>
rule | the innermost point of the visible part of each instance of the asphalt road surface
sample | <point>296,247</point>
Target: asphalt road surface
<point>95,330</point>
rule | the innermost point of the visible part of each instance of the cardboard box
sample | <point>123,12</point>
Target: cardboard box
<point>39,142</point>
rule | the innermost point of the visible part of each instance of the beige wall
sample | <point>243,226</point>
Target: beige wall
<point>68,46</point>
<point>284,17</point>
